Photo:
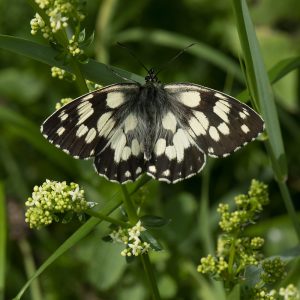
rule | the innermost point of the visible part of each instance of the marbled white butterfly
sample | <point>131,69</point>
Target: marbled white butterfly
<point>165,131</point>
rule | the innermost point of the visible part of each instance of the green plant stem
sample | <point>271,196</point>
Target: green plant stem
<point>150,276</point>
<point>129,207</point>
<point>80,81</point>
<point>30,269</point>
<point>204,214</point>
<point>231,257</point>
<point>133,219</point>
<point>103,217</point>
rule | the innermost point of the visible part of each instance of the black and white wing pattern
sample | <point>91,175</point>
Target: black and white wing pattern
<point>175,155</point>
<point>99,125</point>
<point>218,123</point>
<point>165,131</point>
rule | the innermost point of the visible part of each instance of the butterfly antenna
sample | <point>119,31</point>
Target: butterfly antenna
<point>175,57</point>
<point>133,55</point>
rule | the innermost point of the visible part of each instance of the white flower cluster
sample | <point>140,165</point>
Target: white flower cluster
<point>59,12</point>
<point>131,238</point>
<point>54,199</point>
<point>62,102</point>
<point>73,47</point>
<point>289,293</point>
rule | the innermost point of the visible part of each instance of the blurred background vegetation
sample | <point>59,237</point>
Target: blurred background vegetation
<point>155,30</point>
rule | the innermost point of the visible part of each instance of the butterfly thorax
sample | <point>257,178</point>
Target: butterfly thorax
<point>150,107</point>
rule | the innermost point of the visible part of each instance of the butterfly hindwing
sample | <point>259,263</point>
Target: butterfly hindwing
<point>218,123</point>
<point>122,159</point>
<point>162,130</point>
<point>93,125</point>
<point>175,155</point>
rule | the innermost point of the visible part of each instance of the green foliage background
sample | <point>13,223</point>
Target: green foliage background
<point>155,30</point>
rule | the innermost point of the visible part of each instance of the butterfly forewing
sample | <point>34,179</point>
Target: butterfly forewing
<point>162,130</point>
<point>98,125</point>
<point>218,123</point>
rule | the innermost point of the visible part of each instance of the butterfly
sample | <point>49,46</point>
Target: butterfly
<point>165,131</point>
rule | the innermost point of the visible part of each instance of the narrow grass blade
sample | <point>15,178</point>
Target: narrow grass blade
<point>260,89</point>
<point>84,230</point>
<point>177,41</point>
<point>278,71</point>
<point>259,86</point>
<point>71,241</point>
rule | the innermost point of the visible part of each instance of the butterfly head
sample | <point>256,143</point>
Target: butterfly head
<point>152,76</point>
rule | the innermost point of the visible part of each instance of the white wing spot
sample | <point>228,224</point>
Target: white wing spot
<point>190,99</point>
<point>245,128</point>
<point>130,123</point>
<point>82,130</point>
<point>170,152</point>
<point>196,126</point>
<point>92,152</point>
<point>213,132</point>
<point>246,112</point>
<point>84,112</point>
<point>180,142</point>
<point>66,151</point>
<point>223,128</point>
<point>221,110</point>
<point>60,130</point>
<point>211,150</point>
<point>107,128</point>
<point>169,122</point>
<point>138,170</point>
<point>91,135</point>
<point>202,119</point>
<point>127,174</point>
<point>152,169</point>
<point>115,99</point>
<point>220,96</point>
<point>63,116</point>
<point>242,115</point>
<point>160,147</point>
<point>103,120</point>
<point>118,143</point>
<point>135,147</point>
<point>166,172</point>
<point>126,153</point>
<point>89,96</point>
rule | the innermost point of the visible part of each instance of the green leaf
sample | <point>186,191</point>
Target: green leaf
<point>81,36</point>
<point>259,86</point>
<point>278,71</point>
<point>108,264</point>
<point>154,221</point>
<point>94,71</point>
<point>283,68</point>
<point>149,238</point>
<point>84,230</point>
